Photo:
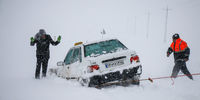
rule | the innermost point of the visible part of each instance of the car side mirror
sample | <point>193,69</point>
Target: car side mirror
<point>60,63</point>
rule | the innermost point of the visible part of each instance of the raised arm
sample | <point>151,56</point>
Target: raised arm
<point>33,41</point>
<point>54,42</point>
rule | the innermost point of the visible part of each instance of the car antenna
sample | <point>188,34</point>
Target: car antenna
<point>103,33</point>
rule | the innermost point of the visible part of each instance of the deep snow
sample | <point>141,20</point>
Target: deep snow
<point>82,20</point>
<point>53,88</point>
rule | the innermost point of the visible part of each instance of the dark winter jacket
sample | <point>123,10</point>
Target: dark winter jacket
<point>180,49</point>
<point>43,45</point>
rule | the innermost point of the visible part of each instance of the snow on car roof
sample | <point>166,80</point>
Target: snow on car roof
<point>96,41</point>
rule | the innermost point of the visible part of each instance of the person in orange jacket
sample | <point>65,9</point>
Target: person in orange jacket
<point>181,56</point>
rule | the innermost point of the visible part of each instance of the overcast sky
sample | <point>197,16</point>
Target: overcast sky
<point>83,20</point>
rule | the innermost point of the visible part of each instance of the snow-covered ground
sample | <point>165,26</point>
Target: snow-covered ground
<point>53,88</point>
<point>82,20</point>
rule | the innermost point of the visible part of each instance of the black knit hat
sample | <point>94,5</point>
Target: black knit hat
<point>175,36</point>
<point>42,31</point>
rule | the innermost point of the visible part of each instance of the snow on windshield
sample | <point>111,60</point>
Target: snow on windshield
<point>104,47</point>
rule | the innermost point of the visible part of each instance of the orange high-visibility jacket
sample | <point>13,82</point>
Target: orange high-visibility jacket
<point>179,45</point>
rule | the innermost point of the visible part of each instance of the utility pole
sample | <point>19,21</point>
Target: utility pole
<point>135,31</point>
<point>148,21</point>
<point>166,22</point>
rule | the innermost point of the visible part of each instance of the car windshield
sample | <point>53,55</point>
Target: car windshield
<point>103,47</point>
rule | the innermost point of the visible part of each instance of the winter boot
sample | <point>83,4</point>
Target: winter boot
<point>37,76</point>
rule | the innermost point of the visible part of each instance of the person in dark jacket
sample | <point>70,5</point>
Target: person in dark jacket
<point>181,56</point>
<point>42,41</point>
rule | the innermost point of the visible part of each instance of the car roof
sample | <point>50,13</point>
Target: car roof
<point>101,40</point>
<point>91,42</point>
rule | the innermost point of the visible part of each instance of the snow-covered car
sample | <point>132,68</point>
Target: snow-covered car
<point>100,63</point>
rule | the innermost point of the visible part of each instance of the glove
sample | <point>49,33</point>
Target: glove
<point>59,38</point>
<point>32,39</point>
<point>186,59</point>
<point>168,54</point>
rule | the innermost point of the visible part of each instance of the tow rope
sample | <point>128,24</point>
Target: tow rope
<point>165,77</point>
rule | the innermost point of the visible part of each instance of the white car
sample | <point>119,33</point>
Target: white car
<point>100,63</point>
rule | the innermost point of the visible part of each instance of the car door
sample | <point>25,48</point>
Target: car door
<point>67,61</point>
<point>75,62</point>
<point>72,62</point>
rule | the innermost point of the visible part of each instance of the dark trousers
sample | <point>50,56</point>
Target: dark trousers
<point>180,65</point>
<point>42,60</point>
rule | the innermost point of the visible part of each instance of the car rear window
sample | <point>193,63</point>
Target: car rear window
<point>104,47</point>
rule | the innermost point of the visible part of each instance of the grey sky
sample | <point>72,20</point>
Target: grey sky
<point>82,20</point>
